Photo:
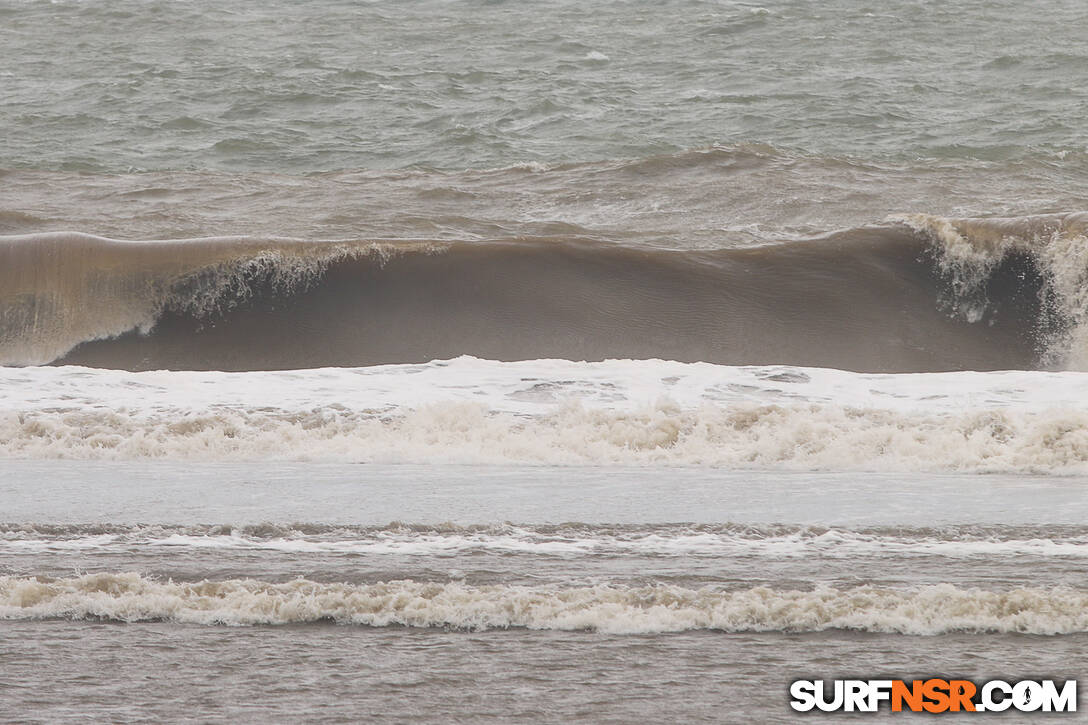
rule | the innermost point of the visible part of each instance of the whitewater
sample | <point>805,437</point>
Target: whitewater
<point>556,412</point>
<point>558,362</point>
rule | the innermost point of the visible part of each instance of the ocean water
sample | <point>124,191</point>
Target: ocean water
<point>455,361</point>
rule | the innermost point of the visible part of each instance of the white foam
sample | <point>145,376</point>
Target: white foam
<point>969,250</point>
<point>625,412</point>
<point>832,544</point>
<point>929,610</point>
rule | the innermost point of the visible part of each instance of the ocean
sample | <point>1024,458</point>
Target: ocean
<point>489,361</point>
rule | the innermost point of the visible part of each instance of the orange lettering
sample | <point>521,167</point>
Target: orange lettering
<point>912,695</point>
<point>936,691</point>
<point>961,692</point>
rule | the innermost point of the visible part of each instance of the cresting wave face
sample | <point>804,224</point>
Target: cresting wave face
<point>59,290</point>
<point>1054,246</point>
<point>916,294</point>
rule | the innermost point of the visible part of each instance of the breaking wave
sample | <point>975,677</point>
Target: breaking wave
<point>615,609</point>
<point>820,437</point>
<point>917,293</point>
<point>1055,248</point>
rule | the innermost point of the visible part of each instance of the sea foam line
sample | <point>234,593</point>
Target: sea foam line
<point>804,437</point>
<point>929,610</point>
<point>557,412</point>
<point>679,542</point>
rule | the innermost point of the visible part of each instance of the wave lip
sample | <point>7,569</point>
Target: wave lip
<point>928,610</point>
<point>1054,247</point>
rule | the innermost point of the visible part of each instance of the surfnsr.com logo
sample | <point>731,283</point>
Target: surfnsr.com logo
<point>933,695</point>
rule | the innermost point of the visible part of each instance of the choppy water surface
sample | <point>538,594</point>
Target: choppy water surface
<point>491,361</point>
<point>149,84</point>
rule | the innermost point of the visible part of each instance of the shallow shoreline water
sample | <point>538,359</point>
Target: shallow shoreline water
<point>262,523</point>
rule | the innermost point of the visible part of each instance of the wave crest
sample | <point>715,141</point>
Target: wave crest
<point>58,290</point>
<point>1055,246</point>
<point>860,299</point>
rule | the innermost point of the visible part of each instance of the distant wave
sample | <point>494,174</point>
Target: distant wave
<point>927,610</point>
<point>915,294</point>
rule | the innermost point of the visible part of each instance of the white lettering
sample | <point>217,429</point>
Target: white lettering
<point>988,695</point>
<point>879,691</point>
<point>821,696</point>
<point>803,693</point>
<point>1065,701</point>
<point>1027,696</point>
<point>856,696</point>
